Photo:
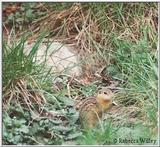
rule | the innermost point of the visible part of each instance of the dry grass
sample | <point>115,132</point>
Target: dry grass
<point>74,26</point>
<point>24,95</point>
<point>91,32</point>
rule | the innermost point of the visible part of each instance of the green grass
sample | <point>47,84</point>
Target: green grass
<point>16,61</point>
<point>128,50</point>
<point>140,69</point>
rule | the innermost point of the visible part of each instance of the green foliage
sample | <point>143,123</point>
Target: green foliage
<point>25,15</point>
<point>98,136</point>
<point>21,126</point>
<point>139,68</point>
<point>108,134</point>
<point>89,90</point>
<point>15,63</point>
<point>14,130</point>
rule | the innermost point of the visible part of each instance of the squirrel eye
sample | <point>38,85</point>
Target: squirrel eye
<point>105,93</point>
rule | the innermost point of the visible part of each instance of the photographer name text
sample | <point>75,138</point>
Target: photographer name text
<point>134,141</point>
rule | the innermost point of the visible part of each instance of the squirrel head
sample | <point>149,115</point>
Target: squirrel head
<point>105,98</point>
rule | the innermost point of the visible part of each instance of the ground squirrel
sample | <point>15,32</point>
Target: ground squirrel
<point>91,109</point>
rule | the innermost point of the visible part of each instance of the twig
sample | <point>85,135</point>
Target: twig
<point>68,86</point>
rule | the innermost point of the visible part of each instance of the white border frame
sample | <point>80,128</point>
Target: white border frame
<point>158,50</point>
